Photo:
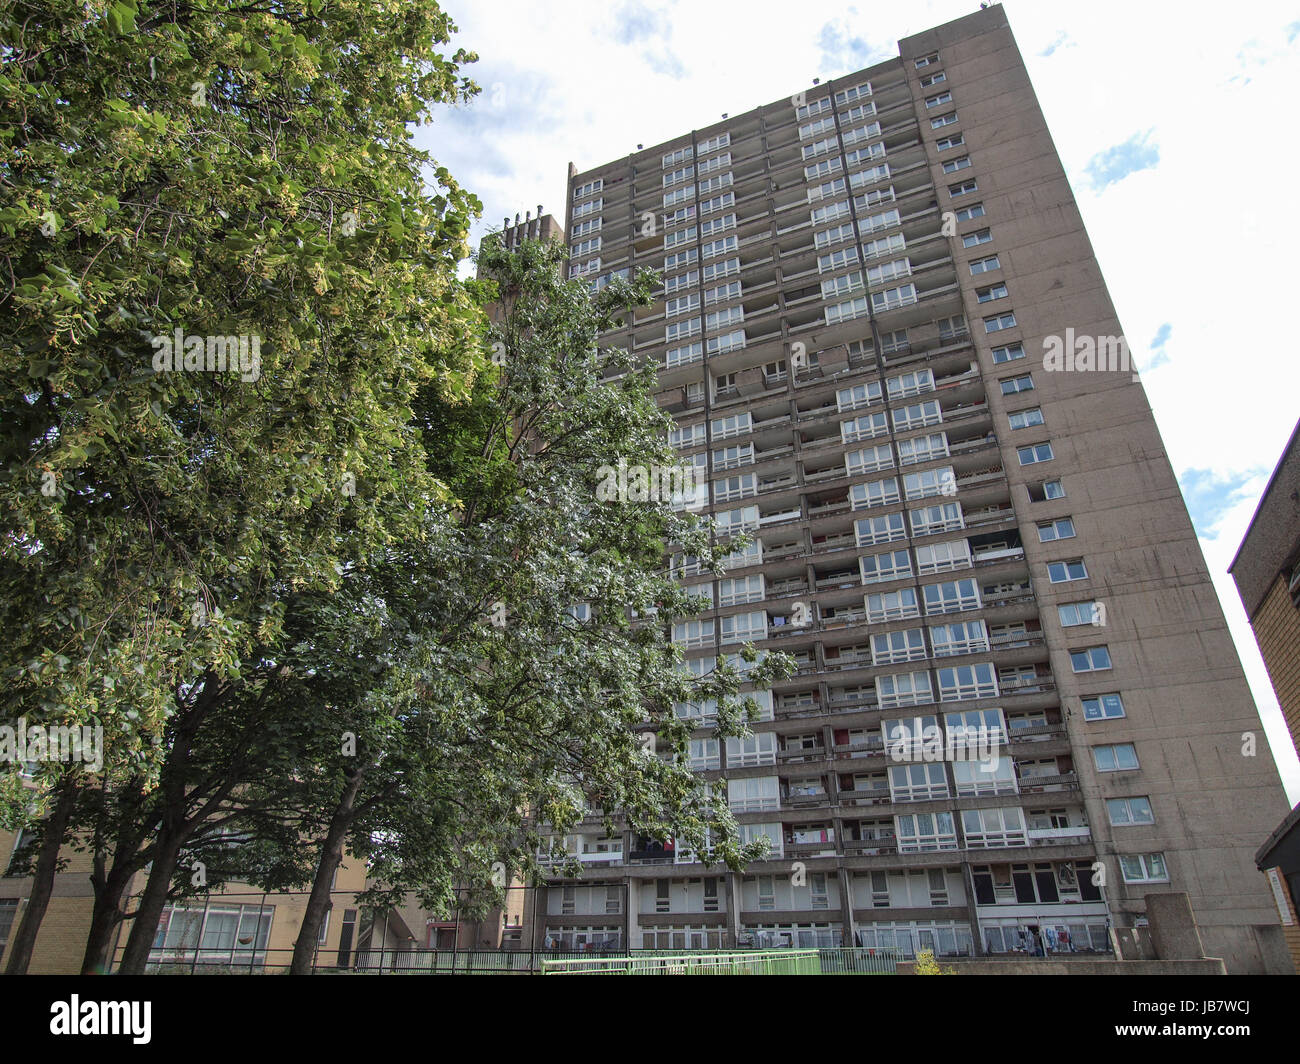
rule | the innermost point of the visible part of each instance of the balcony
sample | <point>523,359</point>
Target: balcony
<point>1059,836</point>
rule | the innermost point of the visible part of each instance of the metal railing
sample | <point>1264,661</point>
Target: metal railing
<point>753,962</point>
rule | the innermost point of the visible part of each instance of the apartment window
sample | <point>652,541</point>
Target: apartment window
<point>998,322</point>
<point>891,647</point>
<point>678,195</point>
<point>985,265</point>
<point>862,110</point>
<point>682,258</point>
<point>863,427</point>
<point>946,517</point>
<point>812,129</point>
<point>674,158</point>
<point>671,240</point>
<point>923,448</point>
<point>756,749</point>
<point>930,482</point>
<point>1014,385</point>
<point>992,292</point>
<point>857,92</point>
<point>1128,811</point>
<point>962,637</point>
<point>1076,614</point>
<point>943,557</point>
<point>869,459</point>
<point>883,245</point>
<point>815,108</point>
<point>682,304</point>
<point>682,280</point>
<point>722,293</point>
<point>828,189</point>
<point>933,79</point>
<point>217,934</point>
<point>1061,528</point>
<point>717,203</point>
<point>963,188</point>
<point>953,165</point>
<point>884,220</point>
<point>730,457</point>
<point>837,260</point>
<point>720,319</point>
<point>883,529</point>
<point>938,100</point>
<point>674,177</point>
<point>717,270</point>
<point>848,310</point>
<point>952,596</point>
<point>994,828</point>
<point>918,415</point>
<point>707,166</point>
<point>839,286</point>
<point>889,271</point>
<point>1116,757</point>
<point>1045,490</point>
<point>906,385</point>
<point>1025,419</point>
<point>870,175</point>
<point>927,60</point>
<point>716,183</point>
<point>679,356</point>
<point>1009,353</point>
<point>679,330</point>
<point>925,832</point>
<point>588,189</point>
<point>917,783</point>
<point>877,568</point>
<point>1144,868</point>
<point>1090,659</point>
<point>893,341</point>
<point>693,633</point>
<point>1103,707</point>
<point>960,682</point>
<point>592,225</point>
<point>874,493</point>
<point>939,121</point>
<point>953,141</point>
<point>1063,572</point>
<point>711,144</point>
<point>1035,453</point>
<point>980,236</point>
<point>822,169</point>
<point>586,247</point>
<point>966,214</point>
<point>892,605</point>
<point>904,689</point>
<point>754,794</point>
<point>833,236</point>
<point>721,247</point>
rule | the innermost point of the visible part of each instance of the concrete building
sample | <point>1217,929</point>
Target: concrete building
<point>1267,573</point>
<point>889,351</point>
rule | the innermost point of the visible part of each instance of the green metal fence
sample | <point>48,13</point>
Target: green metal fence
<point>749,962</point>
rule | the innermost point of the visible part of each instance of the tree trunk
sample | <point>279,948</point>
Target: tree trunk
<point>152,901</point>
<point>104,918</point>
<point>23,941</point>
<point>318,904</point>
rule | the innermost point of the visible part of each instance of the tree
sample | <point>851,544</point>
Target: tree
<point>241,178</point>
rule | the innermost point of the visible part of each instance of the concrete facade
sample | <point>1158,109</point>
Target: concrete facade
<point>878,302</point>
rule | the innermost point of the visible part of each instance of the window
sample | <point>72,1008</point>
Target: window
<point>837,260</point>
<point>953,165</point>
<point>879,567</point>
<point>717,203</point>
<point>939,121</point>
<point>857,92</point>
<point>1061,528</point>
<point>1035,453</point>
<point>962,637</point>
<point>1063,572</point>
<point>965,188</point>
<point>754,794</point>
<point>720,319</point>
<point>992,292</point>
<point>1009,353</point>
<point>883,529</point>
<point>1144,868</point>
<point>930,482</point>
<point>980,236</point>
<point>888,271</point>
<point>1103,707</point>
<point>933,79</point>
<point>674,177</point>
<point>923,448</point>
<point>1014,385</point>
<point>1076,614</point>
<point>847,311</point>
<point>906,385</point>
<point>1090,659</point>
<point>874,493</point>
<point>924,832</point>
<point>1118,757</point>
<point>883,245</point>
<point>1025,419</point>
<point>217,934</point>
<point>815,108</point>
<point>822,169</point>
<point>994,828</point>
<point>721,247</point>
<point>927,60</point>
<point>917,783</point>
<point>863,427</point>
<point>954,141</point>
<point>833,236</point>
<point>682,304</point>
<point>592,225</point>
<point>1125,811</point>
<point>714,184</point>
<point>869,459</point>
<point>890,647</point>
<point>589,189</point>
<point>892,605</point>
<point>985,265</point>
<point>952,596</point>
<point>960,682</point>
<point>938,100</point>
<point>966,214</point>
<point>711,144</point>
<point>839,286</point>
<point>943,557</point>
<point>673,158</point>
<point>946,517</point>
<point>680,236</point>
<point>679,356</point>
<point>1046,489</point>
<point>722,293</point>
<point>586,247</point>
<point>873,223</point>
<point>756,749</point>
<point>682,258</point>
<point>998,322</point>
<point>918,415</point>
<point>717,270</point>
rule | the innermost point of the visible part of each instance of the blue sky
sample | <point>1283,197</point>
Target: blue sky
<point>1176,130</point>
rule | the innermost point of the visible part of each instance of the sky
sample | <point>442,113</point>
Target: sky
<point>1177,135</point>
